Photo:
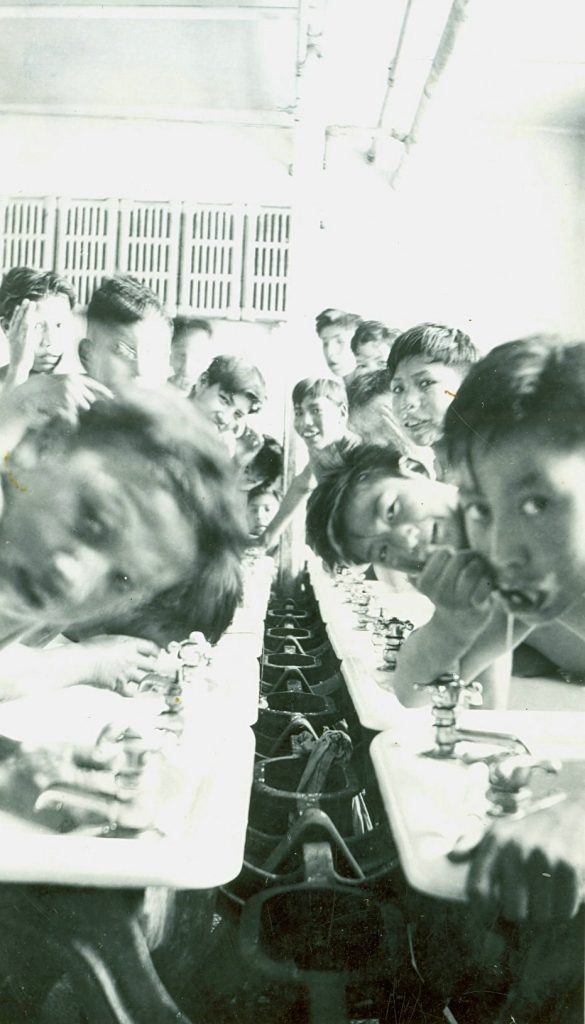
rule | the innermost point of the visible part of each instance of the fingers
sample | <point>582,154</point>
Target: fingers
<point>148,648</point>
<point>456,578</point>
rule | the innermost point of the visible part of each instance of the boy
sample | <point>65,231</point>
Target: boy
<point>371,345</point>
<point>369,396</point>
<point>320,419</point>
<point>426,365</point>
<point>190,351</point>
<point>133,508</point>
<point>36,315</point>
<point>128,335</point>
<point>263,504</point>
<point>227,393</point>
<point>336,330</point>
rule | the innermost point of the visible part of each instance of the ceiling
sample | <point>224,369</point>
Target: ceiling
<point>515,61</point>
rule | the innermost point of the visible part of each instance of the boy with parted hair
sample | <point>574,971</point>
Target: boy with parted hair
<point>228,392</point>
<point>336,330</point>
<point>369,396</point>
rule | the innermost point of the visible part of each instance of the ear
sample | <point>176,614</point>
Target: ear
<point>410,467</point>
<point>83,351</point>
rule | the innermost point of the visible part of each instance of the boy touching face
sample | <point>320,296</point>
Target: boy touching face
<point>427,364</point>
<point>228,392</point>
<point>36,315</point>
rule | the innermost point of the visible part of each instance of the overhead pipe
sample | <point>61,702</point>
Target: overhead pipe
<point>390,82</point>
<point>444,50</point>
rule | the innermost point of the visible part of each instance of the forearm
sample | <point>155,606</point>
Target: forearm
<point>29,672</point>
<point>294,501</point>
<point>426,654</point>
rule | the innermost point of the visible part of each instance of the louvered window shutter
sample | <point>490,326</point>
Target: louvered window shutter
<point>149,246</point>
<point>27,233</point>
<point>86,242</point>
<point>266,263</point>
<point>211,262</point>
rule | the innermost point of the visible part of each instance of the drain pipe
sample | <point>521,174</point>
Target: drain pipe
<point>440,60</point>
<point>390,82</point>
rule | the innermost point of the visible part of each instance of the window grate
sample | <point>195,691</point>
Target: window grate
<point>149,246</point>
<point>86,243</point>
<point>266,264</point>
<point>211,261</point>
<point>27,232</point>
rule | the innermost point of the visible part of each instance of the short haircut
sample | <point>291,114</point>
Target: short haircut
<point>265,489</point>
<point>326,533</point>
<point>124,300</point>
<point>319,387</point>
<point>437,344</point>
<point>24,283</point>
<point>372,330</point>
<point>237,377</point>
<point>268,463</point>
<point>187,462</point>
<point>534,383</point>
<point>362,388</point>
<point>183,325</point>
<point>336,318</point>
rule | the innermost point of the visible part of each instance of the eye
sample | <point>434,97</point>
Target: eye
<point>476,512</point>
<point>397,389</point>
<point>382,554</point>
<point>120,581</point>
<point>534,506</point>
<point>93,527</point>
<point>426,384</point>
<point>224,398</point>
<point>392,511</point>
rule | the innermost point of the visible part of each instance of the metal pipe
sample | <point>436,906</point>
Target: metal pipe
<point>390,82</point>
<point>440,60</point>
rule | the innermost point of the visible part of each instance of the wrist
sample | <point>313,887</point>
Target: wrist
<point>462,626</point>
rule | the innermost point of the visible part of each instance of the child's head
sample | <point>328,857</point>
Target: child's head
<point>371,345</point>
<point>336,329</point>
<point>189,351</point>
<point>128,335</point>
<point>54,300</point>
<point>135,505</point>
<point>371,417</point>
<point>266,467</point>
<point>516,437</point>
<point>320,407</point>
<point>263,504</point>
<point>228,392</point>
<point>427,364</point>
<point>381,507</point>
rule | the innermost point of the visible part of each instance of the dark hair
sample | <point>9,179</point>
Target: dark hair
<point>268,463</point>
<point>265,488</point>
<point>326,533</point>
<point>319,387</point>
<point>372,330</point>
<point>436,343</point>
<point>187,461</point>
<point>534,383</point>
<point>124,300</point>
<point>337,318</point>
<point>363,387</point>
<point>183,325</point>
<point>24,283</point>
<point>237,377</point>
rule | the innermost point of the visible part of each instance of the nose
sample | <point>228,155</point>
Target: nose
<point>508,552</point>
<point>79,573</point>
<point>406,535</point>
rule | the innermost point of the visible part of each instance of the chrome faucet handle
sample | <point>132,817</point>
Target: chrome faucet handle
<point>509,792</point>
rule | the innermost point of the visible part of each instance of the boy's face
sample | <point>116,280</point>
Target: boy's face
<point>189,358</point>
<point>116,354</point>
<point>373,355</point>
<point>392,521</point>
<point>336,343</point>
<point>421,394</point>
<point>524,509</point>
<point>226,410</point>
<point>86,533</point>
<point>52,323</point>
<point>375,422</point>
<point>320,422</point>
<point>261,511</point>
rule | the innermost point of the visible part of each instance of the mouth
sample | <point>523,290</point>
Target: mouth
<point>523,601</point>
<point>415,424</point>
<point>312,435</point>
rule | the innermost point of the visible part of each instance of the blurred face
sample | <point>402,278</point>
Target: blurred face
<point>85,534</point>
<point>336,343</point>
<point>524,509</point>
<point>53,328</point>
<point>188,359</point>
<point>421,394</point>
<point>373,355</point>
<point>116,354</point>
<point>392,521</point>
<point>375,422</point>
<point>320,422</point>
<point>261,512</point>
<point>226,410</point>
